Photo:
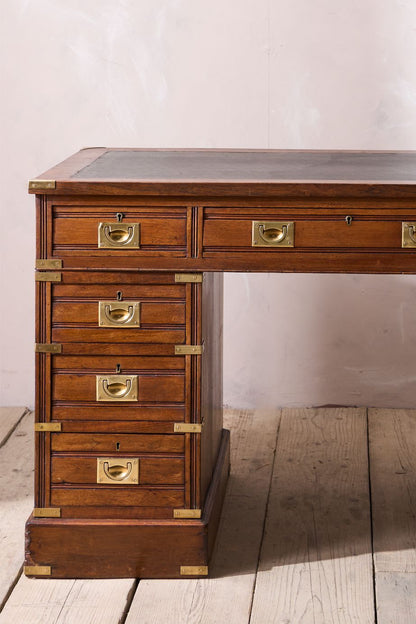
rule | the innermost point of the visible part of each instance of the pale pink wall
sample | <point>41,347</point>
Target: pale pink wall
<point>287,74</point>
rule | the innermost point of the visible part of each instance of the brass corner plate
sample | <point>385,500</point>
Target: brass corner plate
<point>116,388</point>
<point>37,570</point>
<point>187,513</point>
<point>119,235</point>
<point>47,276</point>
<point>187,428</point>
<point>41,185</point>
<point>48,263</point>
<point>50,347</point>
<point>188,278</point>
<point>119,314</point>
<point>273,234</point>
<point>194,570</point>
<point>118,470</point>
<point>48,426</point>
<point>47,512</point>
<point>188,349</point>
<point>408,234</point>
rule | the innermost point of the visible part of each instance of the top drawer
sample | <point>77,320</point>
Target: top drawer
<point>266,229</point>
<point>104,230</point>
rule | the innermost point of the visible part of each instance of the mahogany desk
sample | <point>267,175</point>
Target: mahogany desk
<point>131,457</point>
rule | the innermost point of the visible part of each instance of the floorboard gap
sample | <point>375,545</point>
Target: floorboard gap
<point>265,516</point>
<point>373,563</point>
<point>129,600</point>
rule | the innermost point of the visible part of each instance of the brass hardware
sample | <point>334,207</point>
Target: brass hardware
<point>47,512</point>
<point>119,314</point>
<point>123,470</point>
<point>119,296</point>
<point>41,184</point>
<point>184,278</point>
<point>187,428</point>
<point>186,513</point>
<point>49,426</point>
<point>188,349</point>
<point>194,570</point>
<point>116,387</point>
<point>48,277</point>
<point>48,264</point>
<point>348,219</point>
<point>37,570</point>
<point>408,234</point>
<point>118,369</point>
<point>119,217</point>
<point>118,235</point>
<point>49,347</point>
<point>273,234</point>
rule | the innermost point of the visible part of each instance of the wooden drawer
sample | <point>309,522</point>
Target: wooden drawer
<point>82,230</point>
<point>154,475</point>
<point>124,309</point>
<point>270,229</point>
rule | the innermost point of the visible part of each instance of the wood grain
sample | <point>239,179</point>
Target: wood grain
<point>396,597</point>
<point>315,563</point>
<point>16,497</point>
<point>67,601</point>
<point>392,436</point>
<point>226,597</point>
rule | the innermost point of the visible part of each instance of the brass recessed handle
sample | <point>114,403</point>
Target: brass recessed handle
<point>123,470</point>
<point>273,234</point>
<point>117,235</point>
<point>119,313</point>
<point>116,387</point>
<point>408,234</point>
<point>117,472</point>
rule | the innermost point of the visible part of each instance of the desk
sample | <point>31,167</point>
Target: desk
<point>131,457</point>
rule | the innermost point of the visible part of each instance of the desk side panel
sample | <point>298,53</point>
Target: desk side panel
<point>212,375</point>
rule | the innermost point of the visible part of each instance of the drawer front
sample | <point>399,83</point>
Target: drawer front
<point>118,230</point>
<point>264,230</point>
<point>148,388</point>
<point>119,312</point>
<point>109,471</point>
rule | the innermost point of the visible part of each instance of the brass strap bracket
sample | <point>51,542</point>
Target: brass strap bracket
<point>186,513</point>
<point>187,428</point>
<point>48,276</point>
<point>50,347</point>
<point>37,570</point>
<point>188,278</point>
<point>41,185</point>
<point>48,263</point>
<point>189,349</point>
<point>194,570</point>
<point>47,512</point>
<point>48,426</point>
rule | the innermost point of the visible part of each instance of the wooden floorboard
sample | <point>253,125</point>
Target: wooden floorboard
<point>392,444</point>
<point>392,436</point>
<point>16,499</point>
<point>225,598</point>
<point>315,564</point>
<point>9,418</point>
<point>35,601</point>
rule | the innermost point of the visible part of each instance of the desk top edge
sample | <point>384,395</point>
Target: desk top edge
<point>232,172</point>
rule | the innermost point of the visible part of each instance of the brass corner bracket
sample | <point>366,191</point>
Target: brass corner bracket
<point>48,426</point>
<point>41,185</point>
<point>188,349</point>
<point>48,347</point>
<point>47,512</point>
<point>194,570</point>
<point>188,278</point>
<point>187,428</point>
<point>48,263</point>
<point>37,570</point>
<point>186,513</point>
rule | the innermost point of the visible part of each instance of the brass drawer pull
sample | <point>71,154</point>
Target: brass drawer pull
<point>408,234</point>
<point>117,235</point>
<point>119,469</point>
<point>116,387</point>
<point>273,234</point>
<point>119,313</point>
